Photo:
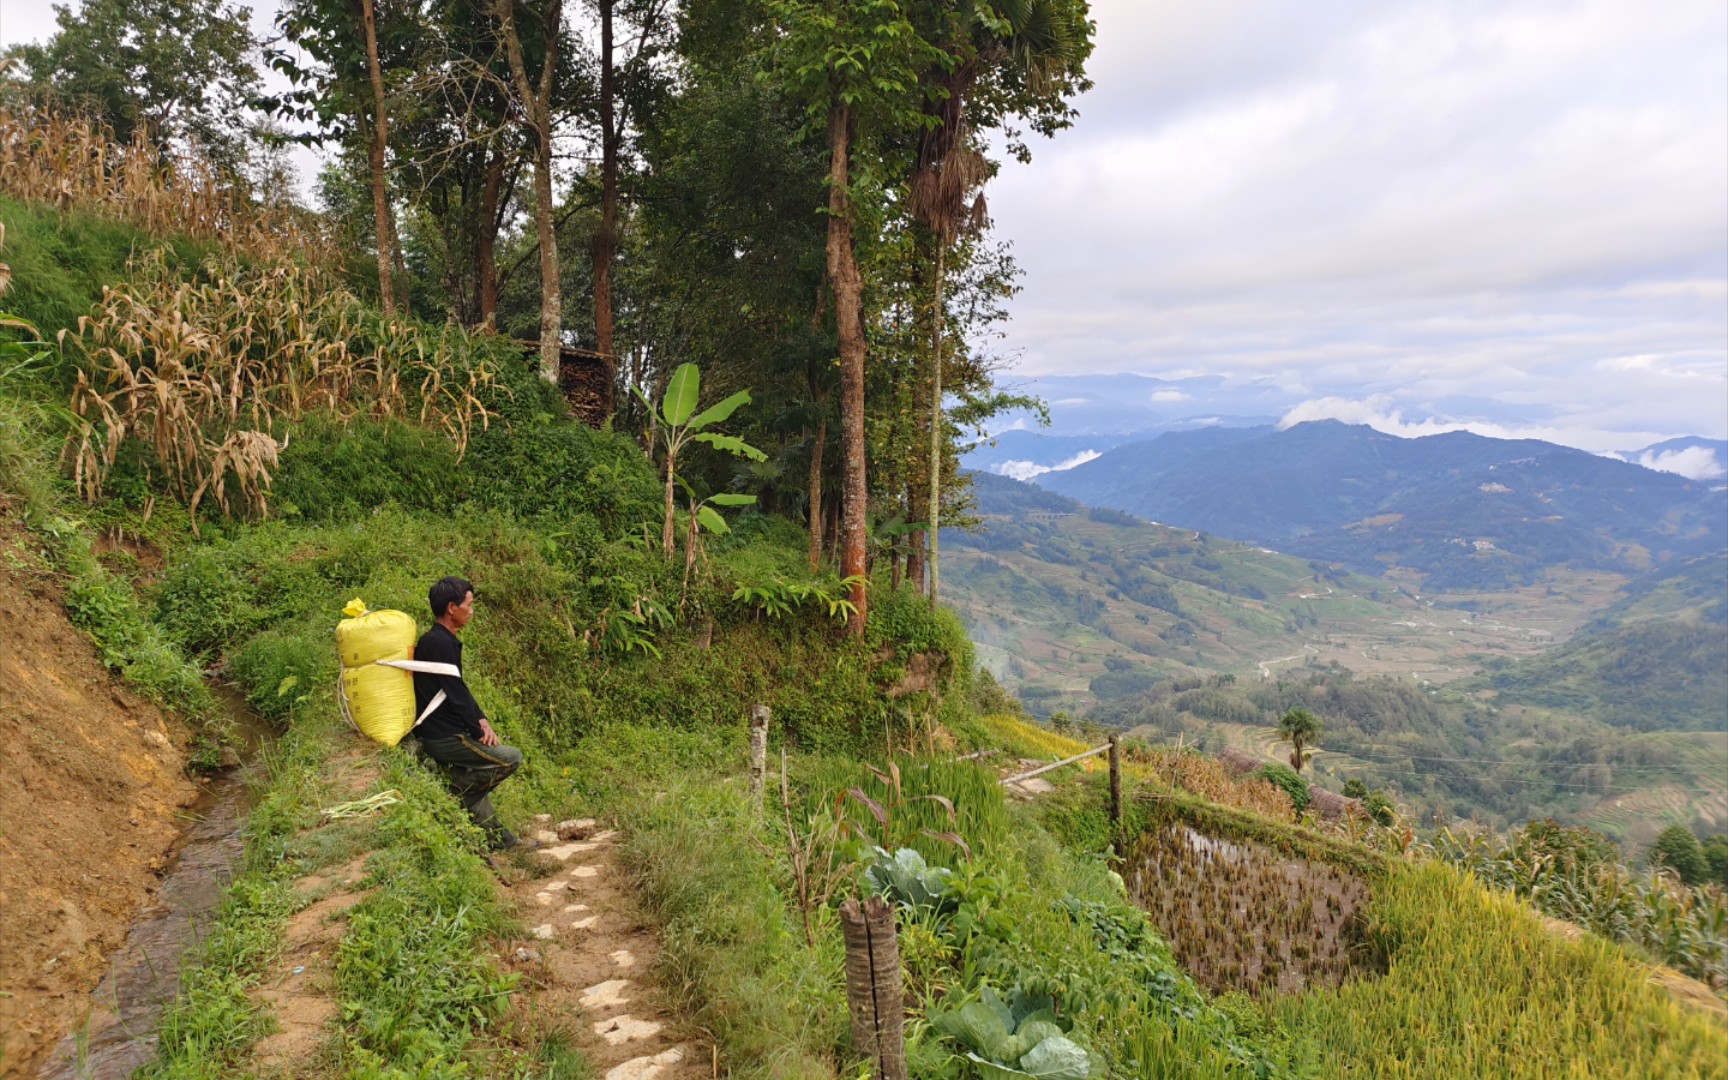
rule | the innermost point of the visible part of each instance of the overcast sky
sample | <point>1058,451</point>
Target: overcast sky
<point>1508,213</point>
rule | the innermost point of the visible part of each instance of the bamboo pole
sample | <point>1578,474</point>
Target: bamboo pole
<point>1096,750</point>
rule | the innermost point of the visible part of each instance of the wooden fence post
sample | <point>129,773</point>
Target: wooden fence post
<point>1116,791</point>
<point>875,996</point>
<point>759,716</point>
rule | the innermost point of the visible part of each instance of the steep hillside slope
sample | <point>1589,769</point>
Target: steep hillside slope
<point>91,782</point>
<point>1466,510</point>
<point>1657,660</point>
<point>1069,606</point>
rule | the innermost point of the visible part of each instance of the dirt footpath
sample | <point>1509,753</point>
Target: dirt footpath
<point>90,780</point>
<point>588,957</point>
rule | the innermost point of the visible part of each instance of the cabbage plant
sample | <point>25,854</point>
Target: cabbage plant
<point>1015,1038</point>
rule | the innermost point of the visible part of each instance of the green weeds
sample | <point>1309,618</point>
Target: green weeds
<point>412,980</point>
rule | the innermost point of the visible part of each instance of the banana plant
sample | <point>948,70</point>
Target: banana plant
<point>676,423</point>
<point>704,518</point>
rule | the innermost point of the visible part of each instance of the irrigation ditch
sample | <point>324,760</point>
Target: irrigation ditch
<point>117,1031</point>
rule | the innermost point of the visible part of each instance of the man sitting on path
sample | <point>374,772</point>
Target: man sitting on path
<point>455,734</point>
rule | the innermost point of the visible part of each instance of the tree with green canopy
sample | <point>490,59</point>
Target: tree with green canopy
<point>1300,728</point>
<point>173,70</point>
<point>1020,58</point>
<point>1679,850</point>
<point>855,65</point>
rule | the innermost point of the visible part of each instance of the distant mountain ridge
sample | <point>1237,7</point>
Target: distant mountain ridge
<point>1467,510</point>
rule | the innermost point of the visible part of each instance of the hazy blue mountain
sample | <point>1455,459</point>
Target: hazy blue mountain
<point>1471,511</point>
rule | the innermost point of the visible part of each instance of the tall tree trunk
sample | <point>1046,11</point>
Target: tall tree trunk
<point>551,296</point>
<point>816,454</point>
<point>537,107</point>
<point>848,287</point>
<point>605,245</point>
<point>936,426</point>
<point>915,541</point>
<point>486,240</point>
<point>381,222</point>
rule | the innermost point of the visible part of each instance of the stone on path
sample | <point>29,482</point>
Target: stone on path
<point>606,995</point>
<point>646,1068</point>
<point>623,958</point>
<point>564,851</point>
<point>624,1029</point>
<point>544,931</point>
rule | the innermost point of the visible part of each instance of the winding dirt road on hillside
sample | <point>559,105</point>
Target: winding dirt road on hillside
<point>1265,666</point>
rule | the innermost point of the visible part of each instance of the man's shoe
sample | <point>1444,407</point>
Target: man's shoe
<point>503,839</point>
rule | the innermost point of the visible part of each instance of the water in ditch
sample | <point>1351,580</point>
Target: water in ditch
<point>119,1034</point>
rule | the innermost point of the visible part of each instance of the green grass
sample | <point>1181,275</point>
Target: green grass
<point>62,259</point>
<point>412,977</point>
<point>732,957</point>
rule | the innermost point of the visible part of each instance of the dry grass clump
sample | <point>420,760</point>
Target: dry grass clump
<point>1477,987</point>
<point>1213,780</point>
<point>1024,739</point>
<point>203,375</point>
<point>60,157</point>
<point>1242,917</point>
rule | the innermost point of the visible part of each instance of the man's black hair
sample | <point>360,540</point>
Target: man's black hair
<point>450,590</point>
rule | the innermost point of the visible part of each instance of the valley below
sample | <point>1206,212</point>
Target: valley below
<point>1563,697</point>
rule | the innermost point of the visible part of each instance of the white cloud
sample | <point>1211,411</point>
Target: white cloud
<point>1026,470</point>
<point>1518,201</point>
<point>1693,462</point>
<point>1170,396</point>
<point>1379,413</point>
<point>1073,401</point>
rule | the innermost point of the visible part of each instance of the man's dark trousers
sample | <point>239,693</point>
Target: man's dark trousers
<point>471,771</point>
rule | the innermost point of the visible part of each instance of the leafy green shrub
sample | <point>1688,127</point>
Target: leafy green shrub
<point>1679,850</point>
<point>205,602</point>
<point>1294,784</point>
<point>538,467</point>
<point>276,662</point>
<point>335,472</point>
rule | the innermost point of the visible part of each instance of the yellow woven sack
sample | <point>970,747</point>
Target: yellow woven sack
<point>377,700</point>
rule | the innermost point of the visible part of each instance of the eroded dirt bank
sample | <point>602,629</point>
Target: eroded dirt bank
<point>91,780</point>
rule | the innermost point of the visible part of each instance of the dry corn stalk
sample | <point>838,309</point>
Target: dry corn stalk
<point>204,374</point>
<point>58,156</point>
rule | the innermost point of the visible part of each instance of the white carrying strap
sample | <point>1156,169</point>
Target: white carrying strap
<point>425,667</point>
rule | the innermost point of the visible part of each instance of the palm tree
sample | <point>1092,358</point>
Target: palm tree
<point>1300,728</point>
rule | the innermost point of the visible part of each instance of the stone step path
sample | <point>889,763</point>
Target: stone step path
<point>590,954</point>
